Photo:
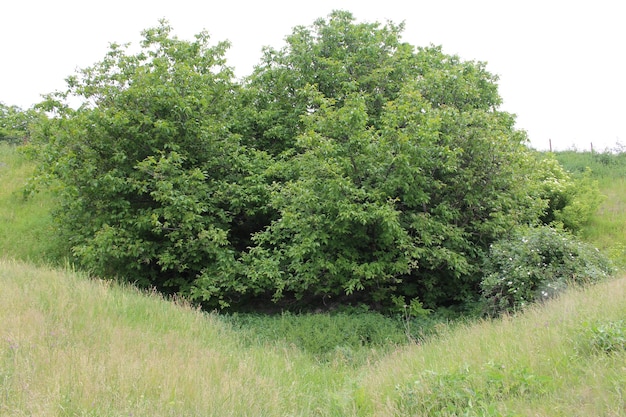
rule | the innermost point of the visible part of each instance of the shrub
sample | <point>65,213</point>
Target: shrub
<point>570,201</point>
<point>535,264</point>
<point>15,123</point>
<point>349,166</point>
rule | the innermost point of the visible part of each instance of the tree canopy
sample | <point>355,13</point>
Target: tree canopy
<point>350,166</point>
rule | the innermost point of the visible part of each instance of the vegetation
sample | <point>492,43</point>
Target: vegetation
<point>27,230</point>
<point>535,264</point>
<point>70,345</point>
<point>349,168</point>
<point>200,196</point>
<point>607,228</point>
<point>15,123</point>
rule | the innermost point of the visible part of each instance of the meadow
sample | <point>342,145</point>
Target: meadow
<point>74,345</point>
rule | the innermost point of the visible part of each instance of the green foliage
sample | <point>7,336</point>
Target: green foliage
<point>15,123</point>
<point>571,201</point>
<point>535,264</point>
<point>155,188</point>
<point>607,228</point>
<point>582,201</point>
<point>603,337</point>
<point>324,335</point>
<point>349,166</point>
<point>396,171</point>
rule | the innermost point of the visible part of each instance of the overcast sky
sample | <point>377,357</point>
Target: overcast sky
<point>562,64</point>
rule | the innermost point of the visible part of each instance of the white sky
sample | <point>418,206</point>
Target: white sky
<point>562,64</point>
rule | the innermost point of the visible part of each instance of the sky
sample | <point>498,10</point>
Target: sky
<point>562,64</point>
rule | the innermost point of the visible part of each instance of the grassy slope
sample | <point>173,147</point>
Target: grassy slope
<point>70,345</point>
<point>74,346</point>
<point>26,230</point>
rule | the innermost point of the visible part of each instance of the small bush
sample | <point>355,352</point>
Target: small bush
<point>535,264</point>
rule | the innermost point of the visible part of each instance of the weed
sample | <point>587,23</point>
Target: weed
<point>603,337</point>
<point>469,392</point>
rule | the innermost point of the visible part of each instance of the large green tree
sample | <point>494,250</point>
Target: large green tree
<point>348,166</point>
<point>398,169</point>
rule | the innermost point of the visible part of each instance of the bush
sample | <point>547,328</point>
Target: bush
<point>570,200</point>
<point>15,123</point>
<point>535,264</point>
<point>349,166</point>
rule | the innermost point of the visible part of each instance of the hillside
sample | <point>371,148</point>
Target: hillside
<point>75,346</point>
<point>607,229</point>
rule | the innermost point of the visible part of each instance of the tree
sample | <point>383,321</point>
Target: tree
<point>397,169</point>
<point>349,166</point>
<point>156,188</point>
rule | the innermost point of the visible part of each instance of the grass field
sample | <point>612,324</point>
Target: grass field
<point>73,345</point>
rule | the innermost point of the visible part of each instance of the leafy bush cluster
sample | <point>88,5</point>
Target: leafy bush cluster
<point>572,201</point>
<point>603,337</point>
<point>350,166</point>
<point>536,264</point>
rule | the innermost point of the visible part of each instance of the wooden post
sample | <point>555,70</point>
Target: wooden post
<point>550,143</point>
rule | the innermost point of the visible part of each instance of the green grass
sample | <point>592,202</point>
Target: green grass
<point>607,229</point>
<point>75,346</point>
<point>26,226</point>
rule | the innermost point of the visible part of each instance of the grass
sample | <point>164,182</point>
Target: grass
<point>26,226</point>
<point>73,345</point>
<point>541,363</point>
<point>607,229</point>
